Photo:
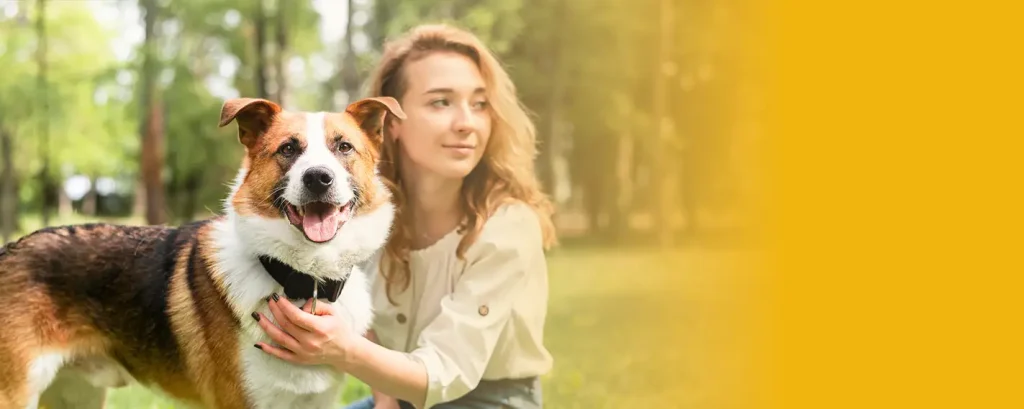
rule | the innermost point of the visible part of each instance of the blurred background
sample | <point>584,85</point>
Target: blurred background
<point>648,123</point>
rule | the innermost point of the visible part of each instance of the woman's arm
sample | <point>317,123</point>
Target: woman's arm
<point>391,373</point>
<point>380,400</point>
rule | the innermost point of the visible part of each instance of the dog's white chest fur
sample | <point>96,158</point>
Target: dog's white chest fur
<point>269,381</point>
<point>274,383</point>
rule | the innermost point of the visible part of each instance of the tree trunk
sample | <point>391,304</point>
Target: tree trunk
<point>139,206</point>
<point>152,158</point>
<point>349,64</point>
<point>64,205</point>
<point>44,125</point>
<point>191,193</point>
<point>8,192</point>
<point>383,12</point>
<point>619,214</point>
<point>282,51</point>
<point>593,200</point>
<point>551,140</point>
<point>660,178</point>
<point>153,164</point>
<point>89,202</point>
<point>261,58</point>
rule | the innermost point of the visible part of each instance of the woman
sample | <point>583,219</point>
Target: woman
<point>460,290</point>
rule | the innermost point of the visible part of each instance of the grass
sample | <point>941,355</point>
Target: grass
<point>626,327</point>
<point>639,329</point>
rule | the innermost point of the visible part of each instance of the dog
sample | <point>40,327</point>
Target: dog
<point>171,307</point>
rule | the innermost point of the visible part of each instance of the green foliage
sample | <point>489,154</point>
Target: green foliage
<point>496,22</point>
<point>202,158</point>
<point>586,69</point>
<point>90,131</point>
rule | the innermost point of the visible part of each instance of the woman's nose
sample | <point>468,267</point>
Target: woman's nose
<point>464,121</point>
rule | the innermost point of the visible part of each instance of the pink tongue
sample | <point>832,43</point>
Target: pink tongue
<point>320,227</point>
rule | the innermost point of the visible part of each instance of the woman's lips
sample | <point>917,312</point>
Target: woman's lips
<point>460,148</point>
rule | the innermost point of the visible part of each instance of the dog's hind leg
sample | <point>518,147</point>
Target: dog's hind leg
<point>71,390</point>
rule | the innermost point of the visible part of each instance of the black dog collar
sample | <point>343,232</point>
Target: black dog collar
<point>299,285</point>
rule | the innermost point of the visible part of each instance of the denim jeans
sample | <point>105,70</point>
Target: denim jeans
<point>505,393</point>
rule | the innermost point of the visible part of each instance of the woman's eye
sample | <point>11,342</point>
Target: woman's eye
<point>345,147</point>
<point>287,150</point>
<point>439,103</point>
<point>480,105</point>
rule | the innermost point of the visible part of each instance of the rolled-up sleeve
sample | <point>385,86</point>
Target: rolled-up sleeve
<point>457,345</point>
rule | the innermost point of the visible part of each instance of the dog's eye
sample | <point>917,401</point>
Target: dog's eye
<point>345,147</point>
<point>287,150</point>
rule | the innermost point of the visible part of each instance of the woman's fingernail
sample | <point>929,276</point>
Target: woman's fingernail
<point>256,316</point>
<point>275,297</point>
<point>258,347</point>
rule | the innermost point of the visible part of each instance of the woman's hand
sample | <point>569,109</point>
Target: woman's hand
<point>327,338</point>
<point>304,338</point>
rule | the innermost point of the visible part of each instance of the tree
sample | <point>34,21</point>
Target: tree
<point>260,67</point>
<point>8,192</point>
<point>152,158</point>
<point>46,185</point>
<point>348,71</point>
<point>281,52</point>
<point>661,175</point>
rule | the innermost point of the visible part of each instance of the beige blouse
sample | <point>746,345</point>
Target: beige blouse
<point>482,318</point>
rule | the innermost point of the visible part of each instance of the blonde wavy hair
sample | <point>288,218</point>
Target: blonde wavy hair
<point>504,174</point>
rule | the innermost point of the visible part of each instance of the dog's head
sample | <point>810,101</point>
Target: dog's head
<point>313,174</point>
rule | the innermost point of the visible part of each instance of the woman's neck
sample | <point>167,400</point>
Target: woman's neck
<point>434,207</point>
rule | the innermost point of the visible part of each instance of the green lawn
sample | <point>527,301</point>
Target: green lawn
<point>628,328</point>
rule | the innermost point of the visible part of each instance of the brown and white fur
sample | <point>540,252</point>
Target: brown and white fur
<point>171,307</point>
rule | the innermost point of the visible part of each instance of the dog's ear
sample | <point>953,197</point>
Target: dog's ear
<point>254,116</point>
<point>370,113</point>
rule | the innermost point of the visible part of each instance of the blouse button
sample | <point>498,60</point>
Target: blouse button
<point>483,310</point>
<point>401,318</point>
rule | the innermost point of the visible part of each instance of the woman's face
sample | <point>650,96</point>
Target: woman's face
<point>448,119</point>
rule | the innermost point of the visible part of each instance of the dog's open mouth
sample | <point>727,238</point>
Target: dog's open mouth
<point>319,221</point>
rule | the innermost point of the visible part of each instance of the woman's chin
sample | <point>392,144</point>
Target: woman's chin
<point>456,170</point>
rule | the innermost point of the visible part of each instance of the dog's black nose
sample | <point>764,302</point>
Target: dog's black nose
<point>318,179</point>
